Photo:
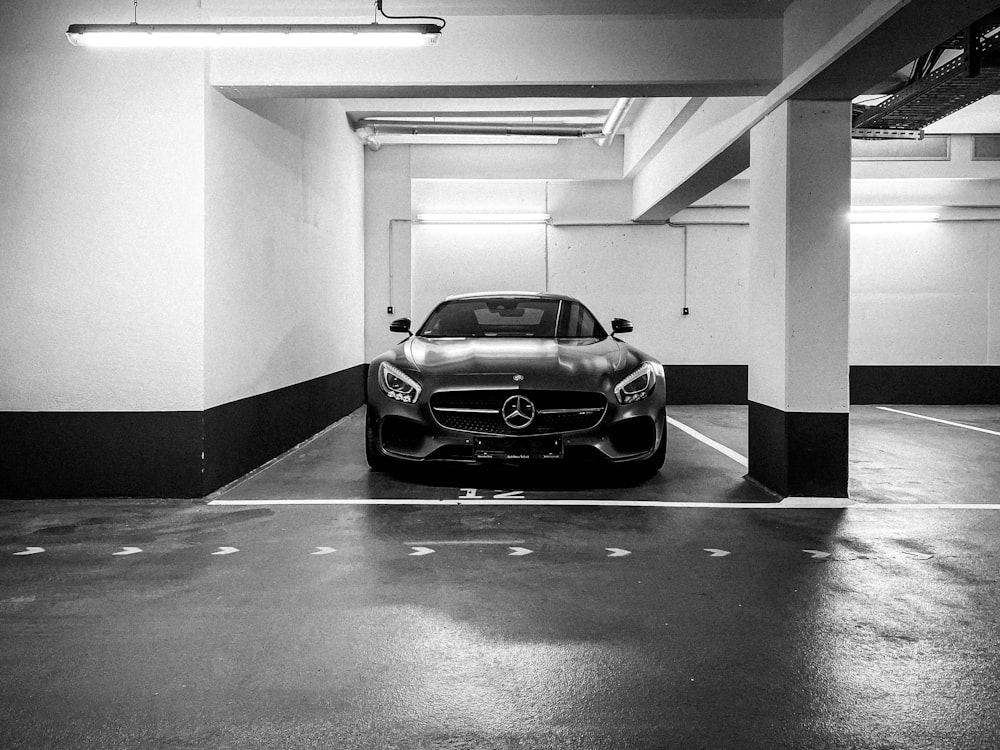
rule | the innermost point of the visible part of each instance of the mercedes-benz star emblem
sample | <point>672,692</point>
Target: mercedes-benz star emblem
<point>518,412</point>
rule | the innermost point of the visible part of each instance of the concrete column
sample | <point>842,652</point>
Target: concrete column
<point>799,299</point>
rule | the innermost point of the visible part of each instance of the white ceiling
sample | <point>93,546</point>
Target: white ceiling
<point>984,116</point>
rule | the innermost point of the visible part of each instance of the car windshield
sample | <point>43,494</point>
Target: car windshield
<point>512,317</point>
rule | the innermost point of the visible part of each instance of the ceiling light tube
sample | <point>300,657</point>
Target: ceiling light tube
<point>893,214</point>
<point>891,217</point>
<point>254,35</point>
<point>483,218</point>
<point>409,127</point>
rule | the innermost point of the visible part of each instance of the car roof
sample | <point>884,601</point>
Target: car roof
<point>529,295</point>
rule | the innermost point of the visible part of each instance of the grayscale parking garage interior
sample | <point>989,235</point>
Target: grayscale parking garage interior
<point>795,202</point>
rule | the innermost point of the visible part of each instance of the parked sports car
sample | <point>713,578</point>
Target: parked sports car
<point>513,376</point>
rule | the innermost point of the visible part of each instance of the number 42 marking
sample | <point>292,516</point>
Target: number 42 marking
<point>471,493</point>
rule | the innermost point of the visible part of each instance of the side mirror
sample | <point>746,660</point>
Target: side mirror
<point>400,325</point>
<point>620,325</point>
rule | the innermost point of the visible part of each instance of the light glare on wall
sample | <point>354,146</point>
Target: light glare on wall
<point>483,218</point>
<point>893,214</point>
<point>253,35</point>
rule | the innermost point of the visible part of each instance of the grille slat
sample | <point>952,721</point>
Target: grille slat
<point>569,411</point>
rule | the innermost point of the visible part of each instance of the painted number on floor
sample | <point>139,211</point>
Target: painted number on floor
<point>471,493</point>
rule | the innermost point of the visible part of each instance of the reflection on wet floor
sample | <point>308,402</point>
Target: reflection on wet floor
<point>469,646</point>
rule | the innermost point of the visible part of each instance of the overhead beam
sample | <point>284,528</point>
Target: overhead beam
<point>656,122</point>
<point>450,8</point>
<point>716,120</point>
<point>515,56</point>
<point>570,160</point>
<point>914,29</point>
<point>848,47</point>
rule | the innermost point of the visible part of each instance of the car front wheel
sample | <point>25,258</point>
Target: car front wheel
<point>376,459</point>
<point>648,467</point>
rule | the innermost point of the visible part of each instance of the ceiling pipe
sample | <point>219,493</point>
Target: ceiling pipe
<point>368,137</point>
<point>374,128</point>
<point>369,129</point>
<point>614,120</point>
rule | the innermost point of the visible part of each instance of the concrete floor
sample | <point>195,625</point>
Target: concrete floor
<point>524,626</point>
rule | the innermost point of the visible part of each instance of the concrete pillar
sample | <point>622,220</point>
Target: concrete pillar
<point>799,299</point>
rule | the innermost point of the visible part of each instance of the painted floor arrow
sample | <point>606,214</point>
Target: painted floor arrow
<point>226,551</point>
<point>128,551</point>
<point>716,552</point>
<point>421,551</point>
<point>31,551</point>
<point>323,551</point>
<point>615,552</point>
<point>518,551</point>
<point>817,554</point>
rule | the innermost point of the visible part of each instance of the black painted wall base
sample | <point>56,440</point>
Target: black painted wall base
<point>870,384</point>
<point>925,384</point>
<point>798,454</point>
<point>706,384</point>
<point>191,453</point>
<point>242,435</point>
<point>100,454</point>
<point>165,454</point>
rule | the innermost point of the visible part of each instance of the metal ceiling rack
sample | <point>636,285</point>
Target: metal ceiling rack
<point>936,92</point>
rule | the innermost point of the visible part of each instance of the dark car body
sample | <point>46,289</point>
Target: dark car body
<point>503,392</point>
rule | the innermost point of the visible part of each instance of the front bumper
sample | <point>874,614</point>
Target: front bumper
<point>623,434</point>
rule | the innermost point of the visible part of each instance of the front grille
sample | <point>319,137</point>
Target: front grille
<point>556,411</point>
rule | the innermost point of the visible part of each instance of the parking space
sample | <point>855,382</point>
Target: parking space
<point>332,466</point>
<point>895,457</point>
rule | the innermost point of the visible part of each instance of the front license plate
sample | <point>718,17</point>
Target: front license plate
<point>519,448</point>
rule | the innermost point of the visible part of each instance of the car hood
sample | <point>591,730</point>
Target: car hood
<point>560,358</point>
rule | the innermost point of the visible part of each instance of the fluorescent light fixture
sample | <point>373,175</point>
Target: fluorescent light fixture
<point>483,218</point>
<point>499,119</point>
<point>893,214</point>
<point>254,35</point>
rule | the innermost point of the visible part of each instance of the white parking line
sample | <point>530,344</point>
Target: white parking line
<point>935,419</point>
<point>789,503</point>
<point>742,460</point>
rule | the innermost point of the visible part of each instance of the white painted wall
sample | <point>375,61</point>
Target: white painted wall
<point>101,199</point>
<point>638,273</point>
<point>459,259</point>
<point>387,245</point>
<point>921,294</point>
<point>164,248</point>
<point>284,255</point>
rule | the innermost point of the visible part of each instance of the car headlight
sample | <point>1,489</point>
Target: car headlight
<point>637,385</point>
<point>397,384</point>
